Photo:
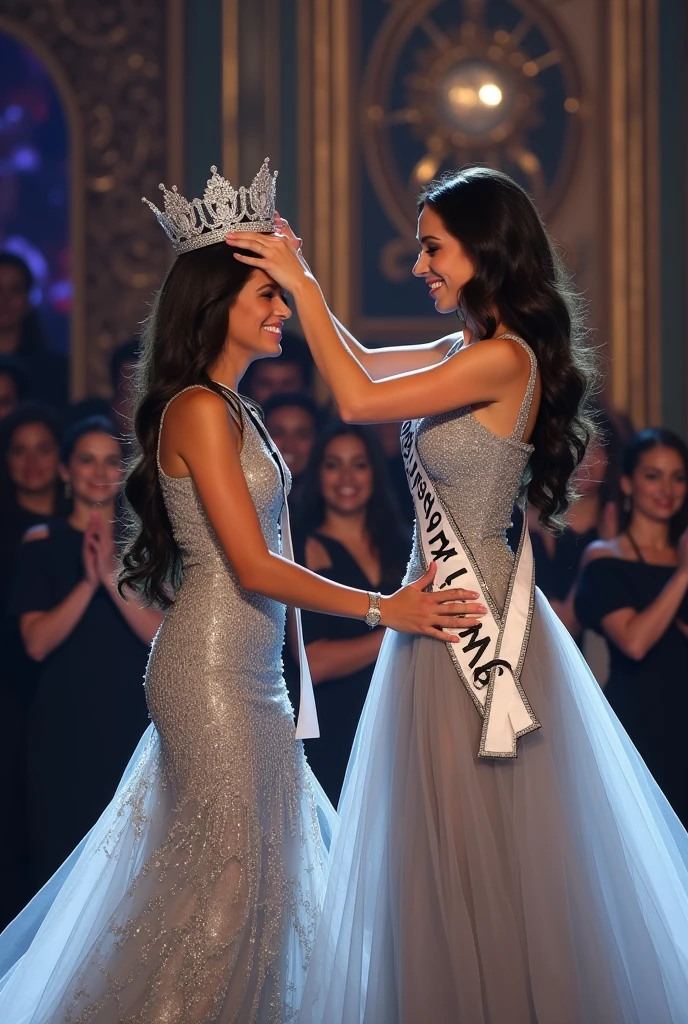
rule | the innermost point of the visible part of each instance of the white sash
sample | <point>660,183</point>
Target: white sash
<point>307,727</point>
<point>489,657</point>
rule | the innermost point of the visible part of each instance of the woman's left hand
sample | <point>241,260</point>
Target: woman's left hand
<point>274,254</point>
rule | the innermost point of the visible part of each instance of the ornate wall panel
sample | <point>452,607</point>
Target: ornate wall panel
<point>118,67</point>
<point>392,92</point>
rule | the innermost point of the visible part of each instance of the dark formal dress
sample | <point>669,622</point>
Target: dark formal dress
<point>339,701</point>
<point>89,708</point>
<point>650,696</point>
<point>555,573</point>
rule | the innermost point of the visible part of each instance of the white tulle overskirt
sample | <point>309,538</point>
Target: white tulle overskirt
<point>550,888</point>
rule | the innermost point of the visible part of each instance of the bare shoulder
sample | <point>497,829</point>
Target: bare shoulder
<point>317,557</point>
<point>39,532</point>
<point>602,549</point>
<point>198,410</point>
<point>502,357</point>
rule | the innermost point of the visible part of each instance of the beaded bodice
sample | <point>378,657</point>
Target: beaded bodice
<point>477,474</point>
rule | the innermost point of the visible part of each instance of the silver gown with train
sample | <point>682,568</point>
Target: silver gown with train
<point>195,896</point>
<point>547,889</point>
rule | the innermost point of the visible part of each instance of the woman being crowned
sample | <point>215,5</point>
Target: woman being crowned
<point>196,894</point>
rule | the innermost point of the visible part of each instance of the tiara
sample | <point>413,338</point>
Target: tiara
<point>191,225</point>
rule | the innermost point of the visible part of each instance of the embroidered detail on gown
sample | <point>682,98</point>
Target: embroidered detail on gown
<point>547,889</point>
<point>195,896</point>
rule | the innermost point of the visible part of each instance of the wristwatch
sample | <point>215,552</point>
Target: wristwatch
<point>374,614</point>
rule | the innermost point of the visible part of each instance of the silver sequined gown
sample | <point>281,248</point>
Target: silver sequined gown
<point>195,896</point>
<point>547,889</point>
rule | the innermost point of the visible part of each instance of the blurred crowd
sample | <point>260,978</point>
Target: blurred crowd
<point>73,653</point>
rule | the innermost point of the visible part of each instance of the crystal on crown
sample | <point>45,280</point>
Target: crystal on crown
<point>191,225</point>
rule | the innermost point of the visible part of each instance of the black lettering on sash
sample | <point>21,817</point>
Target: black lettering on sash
<point>428,502</point>
<point>444,551</point>
<point>405,428</point>
<point>435,520</point>
<point>450,579</point>
<point>476,641</point>
<point>416,481</point>
<point>422,487</point>
<point>410,472</point>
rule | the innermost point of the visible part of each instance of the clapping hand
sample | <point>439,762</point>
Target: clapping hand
<point>99,550</point>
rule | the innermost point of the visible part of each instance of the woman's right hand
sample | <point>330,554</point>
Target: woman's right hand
<point>89,554</point>
<point>411,610</point>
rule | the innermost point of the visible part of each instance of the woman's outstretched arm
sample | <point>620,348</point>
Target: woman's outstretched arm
<point>474,375</point>
<point>387,361</point>
<point>207,440</point>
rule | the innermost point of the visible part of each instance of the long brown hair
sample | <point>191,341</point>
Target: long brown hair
<point>182,338</point>
<point>519,277</point>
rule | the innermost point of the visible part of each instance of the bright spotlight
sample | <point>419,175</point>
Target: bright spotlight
<point>490,94</point>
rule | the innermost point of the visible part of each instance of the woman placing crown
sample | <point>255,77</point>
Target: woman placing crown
<point>503,855</point>
<point>195,896</point>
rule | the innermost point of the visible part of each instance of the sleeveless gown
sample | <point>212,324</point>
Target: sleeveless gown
<point>546,889</point>
<point>194,898</point>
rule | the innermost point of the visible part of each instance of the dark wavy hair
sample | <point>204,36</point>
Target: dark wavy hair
<point>519,280</point>
<point>182,338</point>
<point>634,449</point>
<point>382,514</point>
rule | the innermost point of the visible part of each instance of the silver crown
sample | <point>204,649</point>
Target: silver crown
<point>191,225</point>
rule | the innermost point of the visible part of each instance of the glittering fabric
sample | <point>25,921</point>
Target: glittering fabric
<point>214,846</point>
<point>478,487</point>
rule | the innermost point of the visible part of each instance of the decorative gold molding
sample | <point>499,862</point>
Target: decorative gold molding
<point>325,68</point>
<point>230,89</point>
<point>119,71</point>
<point>634,255</point>
<point>250,86</point>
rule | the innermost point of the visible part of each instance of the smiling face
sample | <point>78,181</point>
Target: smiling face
<point>658,484</point>
<point>32,459</point>
<point>442,263</point>
<point>94,469</point>
<point>256,317</point>
<point>346,475</point>
<point>294,431</point>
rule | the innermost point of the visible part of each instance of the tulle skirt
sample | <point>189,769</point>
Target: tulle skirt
<point>550,888</point>
<point>176,914</point>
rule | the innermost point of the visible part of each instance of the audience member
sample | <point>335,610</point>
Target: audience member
<point>30,493</point>
<point>92,647</point>
<point>21,334</point>
<point>348,532</point>
<point>633,589</point>
<point>14,387</point>
<point>293,421</point>
<point>286,374</point>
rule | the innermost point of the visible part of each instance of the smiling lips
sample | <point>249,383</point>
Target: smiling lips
<point>434,285</point>
<point>273,328</point>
